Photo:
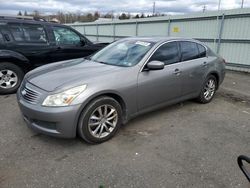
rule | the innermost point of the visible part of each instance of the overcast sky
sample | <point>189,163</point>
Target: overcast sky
<point>118,6</point>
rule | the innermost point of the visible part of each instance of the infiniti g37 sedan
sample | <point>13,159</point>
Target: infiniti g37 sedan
<point>94,96</point>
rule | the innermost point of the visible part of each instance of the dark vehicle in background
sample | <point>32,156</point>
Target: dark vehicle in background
<point>26,43</point>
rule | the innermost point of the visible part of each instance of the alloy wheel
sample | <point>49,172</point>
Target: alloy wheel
<point>209,89</point>
<point>102,121</point>
<point>8,79</point>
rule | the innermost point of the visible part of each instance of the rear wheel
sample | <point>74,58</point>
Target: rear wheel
<point>208,90</point>
<point>10,78</point>
<point>100,120</point>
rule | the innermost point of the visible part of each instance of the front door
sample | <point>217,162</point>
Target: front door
<point>156,87</point>
<point>69,45</point>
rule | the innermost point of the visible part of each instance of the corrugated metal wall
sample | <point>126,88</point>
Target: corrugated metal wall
<point>226,32</point>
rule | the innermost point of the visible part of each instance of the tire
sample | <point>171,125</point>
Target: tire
<point>91,118</point>
<point>203,97</point>
<point>11,77</point>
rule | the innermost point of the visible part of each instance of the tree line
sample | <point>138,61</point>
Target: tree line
<point>67,17</point>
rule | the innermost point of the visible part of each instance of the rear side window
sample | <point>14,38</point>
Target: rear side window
<point>202,50</point>
<point>34,33</point>
<point>16,32</point>
<point>167,53</point>
<point>189,51</point>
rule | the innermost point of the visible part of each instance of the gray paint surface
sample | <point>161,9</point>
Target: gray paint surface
<point>226,32</point>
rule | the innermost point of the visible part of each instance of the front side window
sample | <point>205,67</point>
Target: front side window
<point>34,33</point>
<point>167,53</point>
<point>189,51</point>
<point>17,32</point>
<point>124,53</point>
<point>65,36</point>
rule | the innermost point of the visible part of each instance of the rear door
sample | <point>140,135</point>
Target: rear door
<point>156,87</point>
<point>193,66</point>
<point>69,44</point>
<point>30,40</point>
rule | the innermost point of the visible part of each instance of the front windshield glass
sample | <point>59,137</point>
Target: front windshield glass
<point>123,53</point>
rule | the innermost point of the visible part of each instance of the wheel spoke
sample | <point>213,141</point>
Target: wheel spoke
<point>94,124</point>
<point>105,110</point>
<point>95,117</point>
<point>9,72</point>
<point>100,111</point>
<point>96,129</point>
<point>13,79</point>
<point>1,74</point>
<point>109,123</point>
<point>106,128</point>
<point>100,133</point>
<point>8,85</point>
<point>112,117</point>
<point>110,113</point>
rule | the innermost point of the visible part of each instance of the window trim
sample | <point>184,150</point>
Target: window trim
<point>185,40</point>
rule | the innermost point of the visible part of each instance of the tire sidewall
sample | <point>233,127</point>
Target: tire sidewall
<point>18,71</point>
<point>83,129</point>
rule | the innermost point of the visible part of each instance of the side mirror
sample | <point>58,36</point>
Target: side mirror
<point>155,65</point>
<point>83,42</point>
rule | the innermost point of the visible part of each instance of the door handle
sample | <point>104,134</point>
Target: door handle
<point>204,64</point>
<point>58,48</point>
<point>177,72</point>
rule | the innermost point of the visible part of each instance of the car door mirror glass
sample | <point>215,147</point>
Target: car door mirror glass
<point>83,42</point>
<point>155,65</point>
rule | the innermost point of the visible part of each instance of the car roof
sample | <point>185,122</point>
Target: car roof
<point>156,39</point>
<point>28,21</point>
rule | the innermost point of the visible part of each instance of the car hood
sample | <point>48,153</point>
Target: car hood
<point>54,76</point>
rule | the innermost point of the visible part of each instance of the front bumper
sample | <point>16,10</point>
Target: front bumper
<point>53,121</point>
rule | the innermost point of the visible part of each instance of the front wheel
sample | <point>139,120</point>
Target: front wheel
<point>208,90</point>
<point>10,78</point>
<point>100,120</point>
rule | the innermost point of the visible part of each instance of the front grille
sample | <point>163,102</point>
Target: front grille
<point>30,95</point>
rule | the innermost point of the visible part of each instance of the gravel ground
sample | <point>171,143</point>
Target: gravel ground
<point>184,145</point>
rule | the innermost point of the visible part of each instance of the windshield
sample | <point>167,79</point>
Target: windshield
<point>123,53</point>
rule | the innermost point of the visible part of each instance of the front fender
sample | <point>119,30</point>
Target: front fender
<point>8,55</point>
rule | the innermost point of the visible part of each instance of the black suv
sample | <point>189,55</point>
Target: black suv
<point>26,43</point>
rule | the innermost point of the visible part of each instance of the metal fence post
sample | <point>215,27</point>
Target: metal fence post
<point>169,22</point>
<point>220,33</point>
<point>136,28</point>
<point>97,33</point>
<point>113,31</point>
<point>84,30</point>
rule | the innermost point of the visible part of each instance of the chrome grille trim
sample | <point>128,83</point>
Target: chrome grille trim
<point>30,95</point>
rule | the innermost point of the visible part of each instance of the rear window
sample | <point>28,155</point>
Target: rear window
<point>189,51</point>
<point>34,33</point>
<point>28,33</point>
<point>16,32</point>
<point>202,50</point>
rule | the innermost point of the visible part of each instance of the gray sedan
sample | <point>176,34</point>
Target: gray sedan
<point>94,96</point>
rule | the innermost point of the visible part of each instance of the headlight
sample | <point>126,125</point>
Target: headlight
<point>65,98</point>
